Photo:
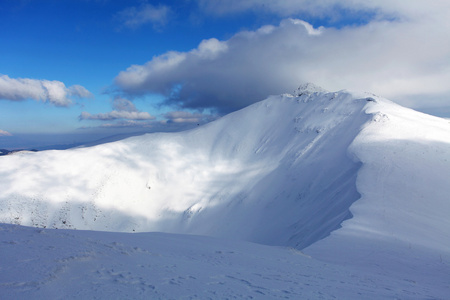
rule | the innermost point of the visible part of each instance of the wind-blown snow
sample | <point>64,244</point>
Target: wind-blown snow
<point>353,179</point>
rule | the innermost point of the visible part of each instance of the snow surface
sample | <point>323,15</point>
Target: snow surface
<point>73,264</point>
<point>356,182</point>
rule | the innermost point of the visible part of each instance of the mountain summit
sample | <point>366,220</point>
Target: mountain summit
<point>308,88</point>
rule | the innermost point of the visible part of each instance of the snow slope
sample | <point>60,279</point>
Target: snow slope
<point>277,172</point>
<point>352,179</point>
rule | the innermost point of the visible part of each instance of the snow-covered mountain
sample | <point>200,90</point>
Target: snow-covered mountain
<point>350,178</point>
<point>284,171</point>
<point>278,172</point>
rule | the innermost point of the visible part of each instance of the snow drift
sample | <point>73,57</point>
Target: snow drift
<point>285,171</point>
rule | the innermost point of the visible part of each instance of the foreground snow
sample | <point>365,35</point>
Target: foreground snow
<point>67,264</point>
<point>356,182</point>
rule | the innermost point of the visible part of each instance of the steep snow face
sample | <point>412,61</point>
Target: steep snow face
<point>277,172</point>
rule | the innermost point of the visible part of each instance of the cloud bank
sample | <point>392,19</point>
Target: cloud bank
<point>54,91</point>
<point>403,53</point>
<point>187,117</point>
<point>126,116</point>
<point>114,115</point>
<point>123,109</point>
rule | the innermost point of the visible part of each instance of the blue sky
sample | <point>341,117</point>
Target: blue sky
<point>77,70</point>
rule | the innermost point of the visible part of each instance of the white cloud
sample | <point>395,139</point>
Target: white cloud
<point>79,91</point>
<point>54,91</point>
<point>134,17</point>
<point>113,115</point>
<point>403,58</point>
<point>4,133</point>
<point>123,104</point>
<point>123,109</point>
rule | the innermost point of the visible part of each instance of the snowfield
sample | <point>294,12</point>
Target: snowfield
<point>70,264</point>
<point>346,194</point>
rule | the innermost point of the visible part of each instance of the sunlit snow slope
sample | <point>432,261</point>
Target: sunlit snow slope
<point>285,171</point>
